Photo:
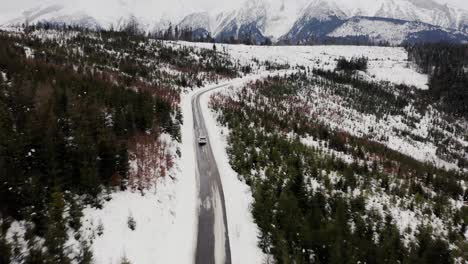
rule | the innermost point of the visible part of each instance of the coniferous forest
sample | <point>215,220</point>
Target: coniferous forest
<point>71,108</point>
<point>447,67</point>
<point>323,195</point>
<point>330,154</point>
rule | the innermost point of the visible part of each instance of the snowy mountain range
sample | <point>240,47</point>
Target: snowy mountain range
<point>293,21</point>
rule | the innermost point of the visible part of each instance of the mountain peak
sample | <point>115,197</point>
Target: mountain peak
<point>271,18</point>
<point>323,10</point>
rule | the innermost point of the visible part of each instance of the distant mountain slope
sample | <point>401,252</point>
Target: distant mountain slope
<point>395,31</point>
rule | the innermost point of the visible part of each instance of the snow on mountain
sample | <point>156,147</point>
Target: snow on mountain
<point>249,19</point>
<point>107,13</point>
<point>281,17</point>
<point>196,21</point>
<point>426,11</point>
<point>285,13</point>
<point>378,30</point>
<point>323,10</point>
<point>245,23</point>
<point>318,18</point>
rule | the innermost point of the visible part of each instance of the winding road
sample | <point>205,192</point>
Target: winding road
<point>213,238</point>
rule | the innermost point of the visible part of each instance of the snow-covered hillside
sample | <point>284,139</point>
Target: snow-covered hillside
<point>269,122</point>
<point>385,63</point>
<point>378,30</point>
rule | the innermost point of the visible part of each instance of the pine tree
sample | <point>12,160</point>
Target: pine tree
<point>391,249</point>
<point>340,233</point>
<point>75,214</point>
<point>5,250</point>
<point>124,260</point>
<point>86,255</point>
<point>35,256</point>
<point>438,252</point>
<point>131,222</point>
<point>56,235</point>
<point>100,228</point>
<point>17,254</point>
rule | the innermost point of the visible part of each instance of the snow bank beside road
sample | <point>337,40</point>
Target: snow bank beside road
<point>243,232</point>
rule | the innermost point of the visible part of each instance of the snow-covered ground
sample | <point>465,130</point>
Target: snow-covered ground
<point>385,63</point>
<point>165,216</point>
<point>333,112</point>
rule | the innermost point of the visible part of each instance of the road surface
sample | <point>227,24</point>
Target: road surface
<point>212,239</point>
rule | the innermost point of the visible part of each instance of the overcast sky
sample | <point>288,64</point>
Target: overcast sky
<point>460,3</point>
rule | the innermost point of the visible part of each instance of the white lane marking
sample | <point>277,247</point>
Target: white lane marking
<point>219,229</point>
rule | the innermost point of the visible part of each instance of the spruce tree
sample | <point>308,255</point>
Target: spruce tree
<point>5,250</point>
<point>86,255</point>
<point>35,254</point>
<point>56,236</point>
<point>75,214</point>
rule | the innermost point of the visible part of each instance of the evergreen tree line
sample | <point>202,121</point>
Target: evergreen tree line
<point>354,64</point>
<point>64,130</point>
<point>384,99</point>
<point>183,33</point>
<point>447,66</point>
<point>299,225</point>
<point>379,98</point>
<point>302,224</point>
<point>69,113</point>
<point>134,54</point>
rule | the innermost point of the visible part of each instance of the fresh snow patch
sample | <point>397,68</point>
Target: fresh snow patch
<point>17,232</point>
<point>154,214</point>
<point>29,53</point>
<point>322,145</point>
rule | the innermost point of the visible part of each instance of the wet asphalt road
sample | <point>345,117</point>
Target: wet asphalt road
<point>212,239</point>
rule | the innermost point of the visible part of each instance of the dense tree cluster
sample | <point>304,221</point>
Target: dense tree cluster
<point>135,54</point>
<point>354,64</point>
<point>64,130</point>
<point>379,98</point>
<point>383,99</point>
<point>183,33</point>
<point>447,66</point>
<point>305,199</point>
<point>75,108</point>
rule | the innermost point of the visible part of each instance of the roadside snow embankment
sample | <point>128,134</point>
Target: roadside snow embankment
<point>243,232</point>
